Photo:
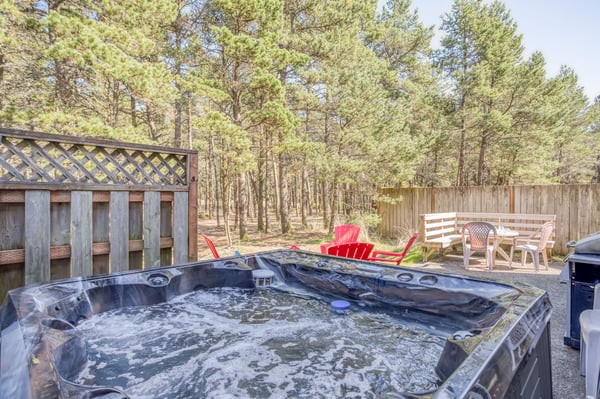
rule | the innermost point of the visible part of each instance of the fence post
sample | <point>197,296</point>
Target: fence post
<point>180,228</point>
<point>192,207</point>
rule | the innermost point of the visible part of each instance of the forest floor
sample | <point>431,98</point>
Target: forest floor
<point>308,239</point>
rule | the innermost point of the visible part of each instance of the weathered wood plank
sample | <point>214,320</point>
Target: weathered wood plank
<point>12,226</point>
<point>37,236</point>
<point>11,256</point>
<point>60,196</point>
<point>60,223</point>
<point>192,224</point>
<point>119,231</point>
<point>89,187</point>
<point>101,196</point>
<point>60,235</point>
<point>101,211</point>
<point>180,228</point>
<point>166,218</point>
<point>12,196</point>
<point>60,268</point>
<point>136,196</point>
<point>11,276</point>
<point>166,196</point>
<point>136,220</point>
<point>166,229</point>
<point>81,234</point>
<point>136,230</point>
<point>151,229</point>
<point>18,196</point>
<point>90,141</point>
<point>101,263</point>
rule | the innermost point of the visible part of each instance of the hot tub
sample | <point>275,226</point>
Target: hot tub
<point>218,328</point>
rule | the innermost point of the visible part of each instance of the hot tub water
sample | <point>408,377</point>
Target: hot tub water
<point>229,342</point>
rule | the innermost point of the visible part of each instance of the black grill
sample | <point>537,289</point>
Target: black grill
<point>583,267</point>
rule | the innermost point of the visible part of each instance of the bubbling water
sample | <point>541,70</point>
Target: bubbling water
<point>229,342</point>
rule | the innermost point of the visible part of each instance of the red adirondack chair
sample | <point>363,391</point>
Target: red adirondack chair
<point>354,250</point>
<point>393,257</point>
<point>344,234</point>
<point>211,246</point>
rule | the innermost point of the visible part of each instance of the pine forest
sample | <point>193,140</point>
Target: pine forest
<point>301,106</point>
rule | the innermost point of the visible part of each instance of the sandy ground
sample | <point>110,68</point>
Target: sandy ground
<point>566,381</point>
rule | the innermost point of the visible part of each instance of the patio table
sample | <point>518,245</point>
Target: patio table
<point>503,234</point>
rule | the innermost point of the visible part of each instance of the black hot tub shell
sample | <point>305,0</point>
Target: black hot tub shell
<point>502,350</point>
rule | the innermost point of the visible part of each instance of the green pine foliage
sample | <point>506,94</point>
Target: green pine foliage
<point>301,105</point>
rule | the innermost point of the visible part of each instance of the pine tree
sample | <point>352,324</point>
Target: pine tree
<point>98,58</point>
<point>480,54</point>
<point>572,149</point>
<point>246,59</point>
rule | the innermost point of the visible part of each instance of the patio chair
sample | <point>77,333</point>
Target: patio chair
<point>354,250</point>
<point>211,246</point>
<point>393,257</point>
<point>344,233</point>
<point>476,237</point>
<point>534,244</point>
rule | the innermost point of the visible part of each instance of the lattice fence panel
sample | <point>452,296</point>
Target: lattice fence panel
<point>24,160</point>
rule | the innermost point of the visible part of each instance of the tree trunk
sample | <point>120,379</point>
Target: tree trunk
<point>333,206</point>
<point>304,200</point>
<point>461,180</point>
<point>114,105</point>
<point>277,195</point>
<point>242,205</point>
<point>217,174</point>
<point>150,123</point>
<point>347,200</point>
<point>226,200</point>
<point>267,186</point>
<point>207,180</point>
<point>324,192</point>
<point>63,89</point>
<point>178,120</point>
<point>324,204</point>
<point>481,161</point>
<point>284,205</point>
<point>188,122</point>
<point>133,111</point>
<point>2,68</point>
<point>260,191</point>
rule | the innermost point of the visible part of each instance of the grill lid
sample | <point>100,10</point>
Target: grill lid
<point>587,245</point>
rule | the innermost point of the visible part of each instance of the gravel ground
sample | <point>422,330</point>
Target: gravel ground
<point>566,381</point>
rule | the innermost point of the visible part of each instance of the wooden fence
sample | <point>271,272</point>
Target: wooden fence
<point>73,206</point>
<point>576,206</point>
